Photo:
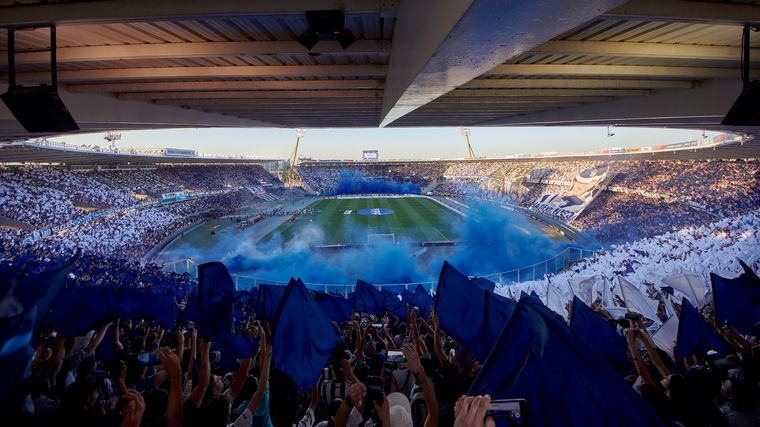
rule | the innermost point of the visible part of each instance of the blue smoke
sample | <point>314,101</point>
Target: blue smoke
<point>491,239</point>
<point>359,184</point>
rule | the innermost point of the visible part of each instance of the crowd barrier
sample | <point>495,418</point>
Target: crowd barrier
<point>556,264</point>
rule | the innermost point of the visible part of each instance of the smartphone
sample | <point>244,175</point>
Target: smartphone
<point>509,413</point>
<point>148,358</point>
<point>374,389</point>
<point>395,356</point>
<point>377,325</point>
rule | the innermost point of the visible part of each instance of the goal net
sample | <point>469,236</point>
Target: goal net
<point>381,238</point>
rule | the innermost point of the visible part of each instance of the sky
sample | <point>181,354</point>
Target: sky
<point>392,143</point>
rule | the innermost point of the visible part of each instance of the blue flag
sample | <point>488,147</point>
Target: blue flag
<point>599,334</point>
<point>471,315</point>
<point>564,381</point>
<point>695,336</point>
<point>483,283</point>
<point>367,299</point>
<point>215,321</point>
<point>335,307</point>
<point>423,300</point>
<point>394,305</point>
<point>737,301</point>
<point>269,300</point>
<point>25,303</point>
<point>304,338</point>
<point>78,310</point>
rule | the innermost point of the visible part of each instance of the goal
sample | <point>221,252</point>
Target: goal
<point>380,238</point>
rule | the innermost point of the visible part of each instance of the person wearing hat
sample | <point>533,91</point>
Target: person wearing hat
<point>395,409</point>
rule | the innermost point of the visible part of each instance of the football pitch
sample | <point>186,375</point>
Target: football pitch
<point>372,220</point>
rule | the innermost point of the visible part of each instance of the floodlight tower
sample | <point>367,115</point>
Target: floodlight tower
<point>292,178</point>
<point>112,137</point>
<point>466,134</point>
<point>294,154</point>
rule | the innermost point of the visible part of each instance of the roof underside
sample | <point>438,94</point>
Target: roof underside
<point>642,62</point>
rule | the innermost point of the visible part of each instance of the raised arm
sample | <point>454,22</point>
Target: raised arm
<point>438,335</point>
<point>641,368</point>
<point>204,376</point>
<point>345,365</point>
<point>171,364</point>
<point>118,347</point>
<point>242,375</point>
<point>265,360</point>
<point>180,351</point>
<point>390,343</point>
<point>653,353</point>
<point>357,393</point>
<point>193,353</point>
<point>98,338</point>
<point>421,378</point>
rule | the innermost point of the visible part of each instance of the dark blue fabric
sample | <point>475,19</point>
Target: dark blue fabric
<point>335,308</point>
<point>695,335</point>
<point>367,299</point>
<point>215,321</point>
<point>422,300</point>
<point>471,315</point>
<point>483,283</point>
<point>599,334</point>
<point>737,301</point>
<point>80,309</point>
<point>564,381</point>
<point>394,304</point>
<point>304,338</point>
<point>269,300</point>
<point>32,296</point>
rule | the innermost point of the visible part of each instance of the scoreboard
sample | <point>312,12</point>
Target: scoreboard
<point>370,155</point>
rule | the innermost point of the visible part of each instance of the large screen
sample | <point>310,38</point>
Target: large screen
<point>369,155</point>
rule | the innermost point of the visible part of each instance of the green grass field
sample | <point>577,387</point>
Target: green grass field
<point>414,219</point>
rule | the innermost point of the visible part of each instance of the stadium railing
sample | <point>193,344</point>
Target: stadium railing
<point>556,264</point>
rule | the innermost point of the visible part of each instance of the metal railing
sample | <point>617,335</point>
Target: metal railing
<point>560,262</point>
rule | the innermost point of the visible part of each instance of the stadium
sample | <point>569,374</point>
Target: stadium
<point>164,286</point>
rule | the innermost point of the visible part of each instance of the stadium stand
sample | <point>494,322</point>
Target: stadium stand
<point>661,221</point>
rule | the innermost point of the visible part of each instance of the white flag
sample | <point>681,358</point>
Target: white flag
<point>691,285</point>
<point>583,288</point>
<point>637,302</point>
<point>665,337</point>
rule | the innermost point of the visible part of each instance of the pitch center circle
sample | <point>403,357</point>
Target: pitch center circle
<point>375,211</point>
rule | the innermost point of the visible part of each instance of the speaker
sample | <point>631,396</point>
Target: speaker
<point>39,109</point>
<point>745,111</point>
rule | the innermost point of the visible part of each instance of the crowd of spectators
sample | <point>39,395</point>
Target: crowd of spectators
<point>48,196</point>
<point>217,177</point>
<point>725,187</point>
<point>621,217</point>
<point>141,181</point>
<point>326,178</point>
<point>101,378</point>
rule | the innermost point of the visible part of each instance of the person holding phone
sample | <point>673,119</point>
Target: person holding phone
<point>392,410</point>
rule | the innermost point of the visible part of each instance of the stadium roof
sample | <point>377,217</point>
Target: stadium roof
<point>138,64</point>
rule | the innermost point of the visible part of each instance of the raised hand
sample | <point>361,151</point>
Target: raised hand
<point>135,409</point>
<point>170,362</point>
<point>412,358</point>
<point>357,393</point>
<point>471,412</point>
<point>205,347</point>
<point>384,411</point>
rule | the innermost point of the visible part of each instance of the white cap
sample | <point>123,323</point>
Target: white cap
<point>400,410</point>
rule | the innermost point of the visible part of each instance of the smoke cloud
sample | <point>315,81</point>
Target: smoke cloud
<point>491,240</point>
<point>359,184</point>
